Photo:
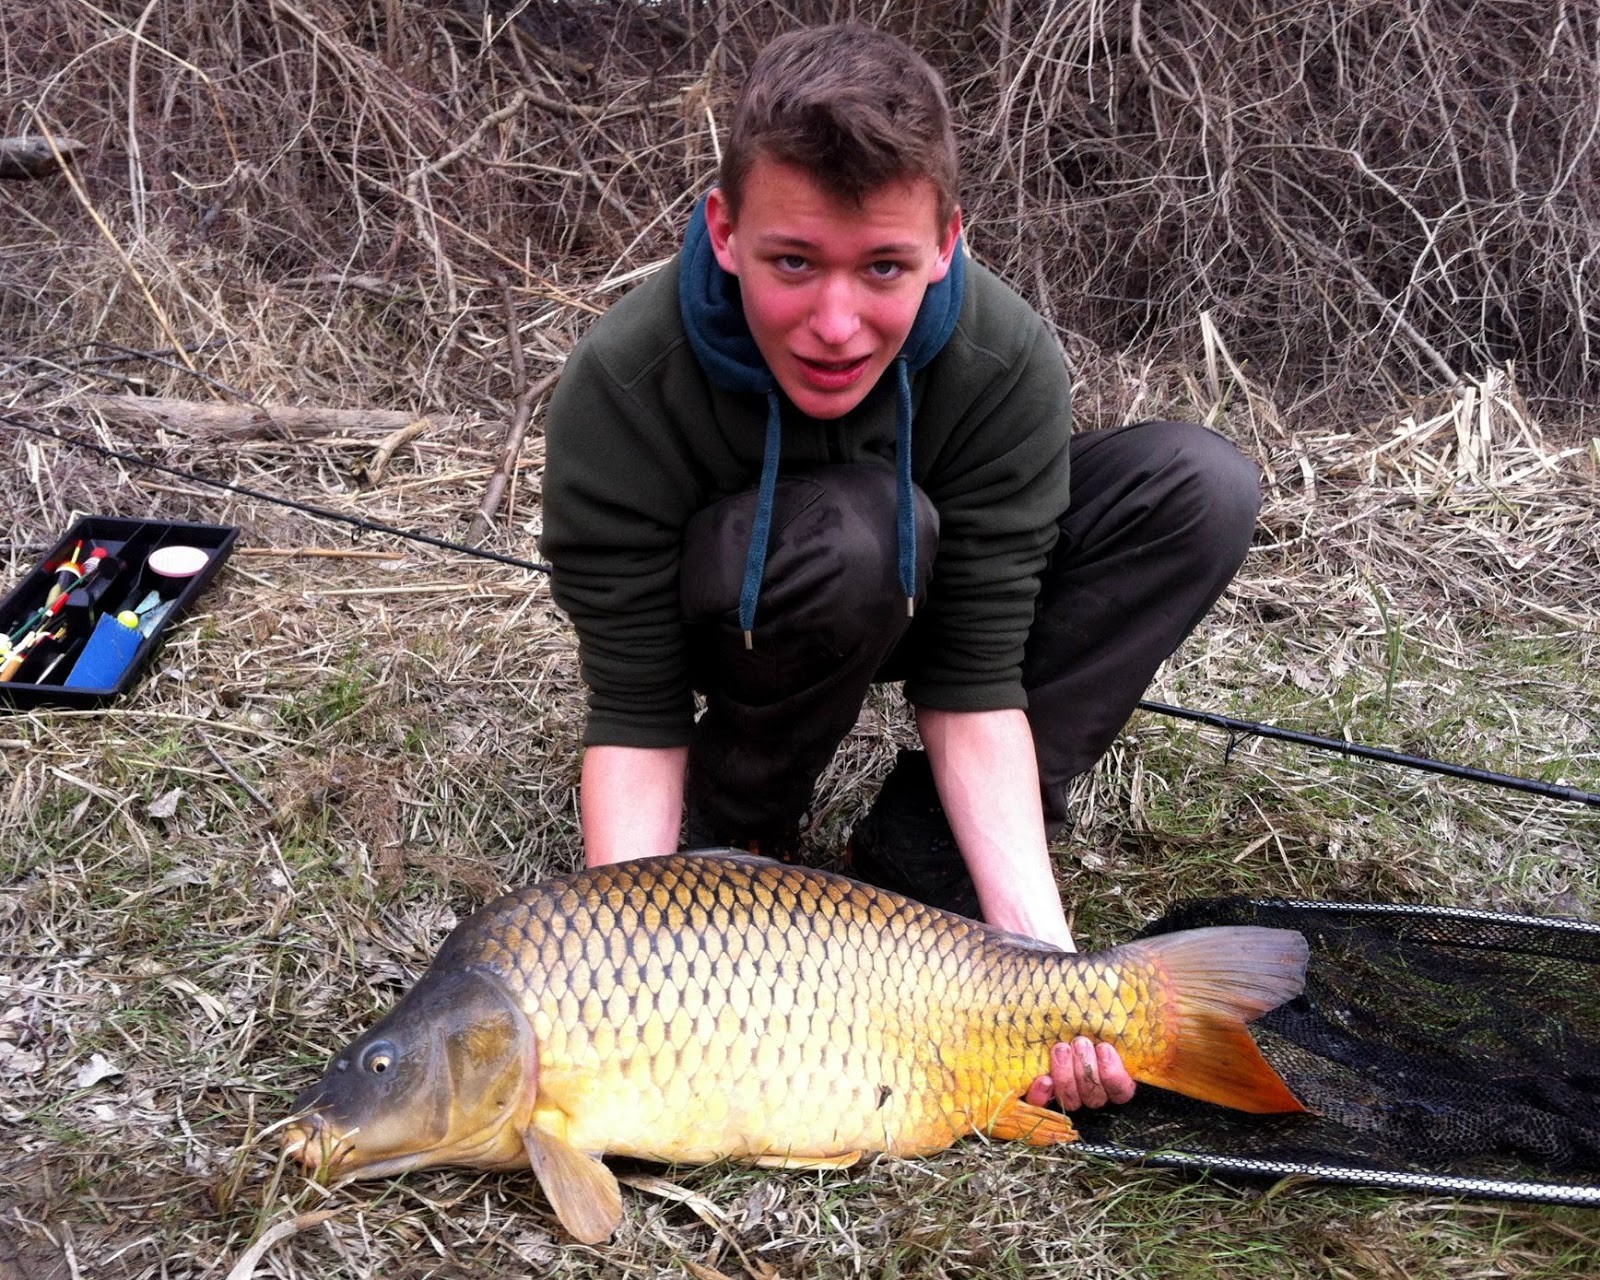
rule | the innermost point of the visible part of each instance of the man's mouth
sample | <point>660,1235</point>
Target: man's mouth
<point>833,375</point>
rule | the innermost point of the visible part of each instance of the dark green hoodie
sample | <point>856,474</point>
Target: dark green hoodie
<point>638,440</point>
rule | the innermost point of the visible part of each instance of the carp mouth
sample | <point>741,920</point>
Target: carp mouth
<point>328,1156</point>
<point>312,1142</point>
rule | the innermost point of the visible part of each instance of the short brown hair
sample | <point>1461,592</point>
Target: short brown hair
<point>856,108</point>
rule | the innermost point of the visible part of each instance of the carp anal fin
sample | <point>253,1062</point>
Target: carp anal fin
<point>1020,1121</point>
<point>1216,980</point>
<point>582,1191</point>
<point>841,1161</point>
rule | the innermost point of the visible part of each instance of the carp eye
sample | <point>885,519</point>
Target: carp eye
<point>378,1059</point>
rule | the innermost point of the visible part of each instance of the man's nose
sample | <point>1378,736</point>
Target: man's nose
<point>835,318</point>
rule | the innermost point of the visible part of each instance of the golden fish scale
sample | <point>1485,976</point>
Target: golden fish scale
<point>687,1009</point>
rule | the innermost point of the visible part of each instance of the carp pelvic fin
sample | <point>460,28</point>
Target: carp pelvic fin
<point>1212,982</point>
<point>582,1191</point>
<point>1024,1122</point>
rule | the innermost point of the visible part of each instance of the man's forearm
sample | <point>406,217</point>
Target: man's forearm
<point>632,802</point>
<point>988,779</point>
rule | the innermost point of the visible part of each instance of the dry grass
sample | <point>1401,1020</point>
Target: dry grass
<point>321,201</point>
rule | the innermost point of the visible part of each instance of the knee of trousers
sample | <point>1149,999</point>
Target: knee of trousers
<point>1210,491</point>
<point>832,574</point>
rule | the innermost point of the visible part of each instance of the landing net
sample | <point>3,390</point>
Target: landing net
<point>1440,1050</point>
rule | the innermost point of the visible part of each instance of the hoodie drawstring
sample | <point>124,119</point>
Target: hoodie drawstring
<point>755,560</point>
<point>905,504</point>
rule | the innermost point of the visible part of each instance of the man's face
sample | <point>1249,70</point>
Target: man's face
<point>830,290</point>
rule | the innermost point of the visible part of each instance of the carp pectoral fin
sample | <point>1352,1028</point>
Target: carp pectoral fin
<point>582,1191</point>
<point>1022,1121</point>
<point>807,1162</point>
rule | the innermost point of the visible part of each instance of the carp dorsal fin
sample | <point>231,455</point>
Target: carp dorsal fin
<point>582,1191</point>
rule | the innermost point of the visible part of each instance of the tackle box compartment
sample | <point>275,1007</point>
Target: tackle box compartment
<point>98,659</point>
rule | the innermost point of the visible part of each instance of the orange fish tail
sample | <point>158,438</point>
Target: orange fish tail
<point>1204,985</point>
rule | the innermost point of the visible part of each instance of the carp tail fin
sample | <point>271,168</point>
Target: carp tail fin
<point>1211,982</point>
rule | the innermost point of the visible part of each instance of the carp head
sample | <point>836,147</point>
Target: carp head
<point>449,1077</point>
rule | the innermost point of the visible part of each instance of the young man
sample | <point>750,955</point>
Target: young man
<point>822,448</point>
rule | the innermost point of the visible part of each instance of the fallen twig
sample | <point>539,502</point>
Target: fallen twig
<point>372,474</point>
<point>279,1231</point>
<point>245,422</point>
<point>33,157</point>
<point>329,553</point>
<point>233,773</point>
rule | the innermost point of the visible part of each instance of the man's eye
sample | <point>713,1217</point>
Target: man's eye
<point>886,270</point>
<point>791,262</point>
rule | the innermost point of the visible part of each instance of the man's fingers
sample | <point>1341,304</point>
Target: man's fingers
<point>1064,1077</point>
<point>1083,1073</point>
<point>1086,1068</point>
<point>1119,1085</point>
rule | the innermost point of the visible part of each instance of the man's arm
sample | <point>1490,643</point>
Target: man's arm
<point>632,802</point>
<point>988,780</point>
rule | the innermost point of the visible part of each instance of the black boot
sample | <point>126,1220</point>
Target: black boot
<point>904,843</point>
<point>780,841</point>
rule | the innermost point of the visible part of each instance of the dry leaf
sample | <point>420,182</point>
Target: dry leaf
<point>17,1061</point>
<point>700,1271</point>
<point>98,1068</point>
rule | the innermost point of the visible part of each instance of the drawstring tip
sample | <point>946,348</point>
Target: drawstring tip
<point>749,641</point>
<point>911,607</point>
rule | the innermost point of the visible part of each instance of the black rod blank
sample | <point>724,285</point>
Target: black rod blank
<point>1249,728</point>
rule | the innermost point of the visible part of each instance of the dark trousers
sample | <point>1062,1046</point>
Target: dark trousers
<point>1161,517</point>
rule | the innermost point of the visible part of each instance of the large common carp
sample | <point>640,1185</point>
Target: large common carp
<point>695,1008</point>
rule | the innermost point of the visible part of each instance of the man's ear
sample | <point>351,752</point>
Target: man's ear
<point>719,222</point>
<point>947,248</point>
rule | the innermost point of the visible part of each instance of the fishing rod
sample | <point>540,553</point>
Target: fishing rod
<point>358,522</point>
<point>1235,728</point>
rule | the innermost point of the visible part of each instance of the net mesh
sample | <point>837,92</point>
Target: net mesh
<point>1457,1051</point>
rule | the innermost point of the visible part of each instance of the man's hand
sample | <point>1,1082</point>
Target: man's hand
<point>1083,1073</point>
